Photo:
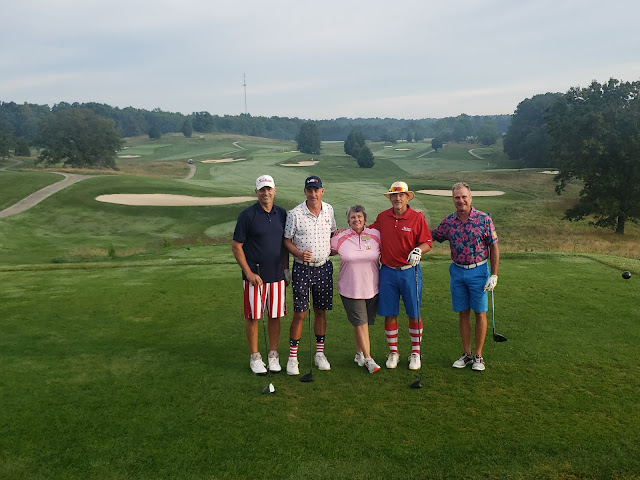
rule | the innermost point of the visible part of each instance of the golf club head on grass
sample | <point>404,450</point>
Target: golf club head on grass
<point>416,384</point>
<point>499,338</point>
<point>307,377</point>
<point>269,389</point>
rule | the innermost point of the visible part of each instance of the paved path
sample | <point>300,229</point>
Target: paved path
<point>17,162</point>
<point>475,154</point>
<point>192,172</point>
<point>425,153</point>
<point>35,198</point>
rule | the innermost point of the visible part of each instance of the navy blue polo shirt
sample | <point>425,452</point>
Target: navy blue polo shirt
<point>262,236</point>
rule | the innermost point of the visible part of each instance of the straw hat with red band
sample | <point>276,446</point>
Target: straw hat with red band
<point>400,187</point>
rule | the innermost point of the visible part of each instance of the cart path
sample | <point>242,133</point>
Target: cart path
<point>35,198</point>
<point>192,172</point>
<point>17,162</point>
<point>475,154</point>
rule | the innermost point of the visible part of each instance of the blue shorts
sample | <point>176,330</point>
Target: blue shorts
<point>467,288</point>
<point>399,283</point>
<point>321,280</point>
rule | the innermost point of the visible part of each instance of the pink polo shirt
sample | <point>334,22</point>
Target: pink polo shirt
<point>359,262</point>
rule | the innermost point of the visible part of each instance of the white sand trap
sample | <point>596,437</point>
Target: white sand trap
<point>388,146</point>
<point>166,200</point>
<point>551,172</point>
<point>474,193</point>
<point>403,149</point>
<point>223,160</point>
<point>304,163</point>
<point>128,156</point>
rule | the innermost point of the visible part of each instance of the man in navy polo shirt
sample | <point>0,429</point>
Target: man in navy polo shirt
<point>259,250</point>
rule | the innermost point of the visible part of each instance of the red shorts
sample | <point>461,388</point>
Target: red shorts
<point>269,297</point>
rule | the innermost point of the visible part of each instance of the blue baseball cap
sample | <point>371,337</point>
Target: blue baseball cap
<point>313,182</point>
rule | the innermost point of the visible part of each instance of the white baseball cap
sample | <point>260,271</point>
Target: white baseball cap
<point>265,181</point>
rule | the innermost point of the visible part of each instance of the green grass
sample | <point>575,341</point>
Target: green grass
<point>16,185</point>
<point>136,366</point>
<point>141,371</point>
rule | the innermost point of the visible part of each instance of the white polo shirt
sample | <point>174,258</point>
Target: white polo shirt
<point>308,232</point>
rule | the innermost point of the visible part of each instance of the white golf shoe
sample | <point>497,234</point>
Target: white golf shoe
<point>274,362</point>
<point>372,366</point>
<point>392,360</point>
<point>478,363</point>
<point>292,366</point>
<point>257,365</point>
<point>463,361</point>
<point>359,359</point>
<point>321,362</point>
<point>414,361</point>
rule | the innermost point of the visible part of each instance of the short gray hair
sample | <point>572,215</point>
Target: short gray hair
<point>355,209</point>
<point>460,185</point>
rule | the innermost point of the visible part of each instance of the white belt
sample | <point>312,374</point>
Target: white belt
<point>312,264</point>
<point>470,266</point>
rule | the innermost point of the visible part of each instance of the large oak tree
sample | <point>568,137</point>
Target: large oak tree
<point>596,139</point>
<point>78,138</point>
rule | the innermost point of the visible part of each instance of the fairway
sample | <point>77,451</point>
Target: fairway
<point>123,352</point>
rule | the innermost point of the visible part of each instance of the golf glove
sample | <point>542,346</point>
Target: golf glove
<point>414,257</point>
<point>491,283</point>
<point>287,275</point>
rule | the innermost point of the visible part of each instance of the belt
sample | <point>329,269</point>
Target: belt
<point>470,266</point>
<point>403,267</point>
<point>312,264</point>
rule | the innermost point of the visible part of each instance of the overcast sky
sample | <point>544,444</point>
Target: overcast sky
<point>313,60</point>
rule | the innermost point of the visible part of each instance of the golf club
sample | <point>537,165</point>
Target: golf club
<point>308,377</point>
<point>496,336</point>
<point>418,383</point>
<point>269,388</point>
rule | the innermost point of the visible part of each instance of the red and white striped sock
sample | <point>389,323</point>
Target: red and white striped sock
<point>391,331</point>
<point>293,348</point>
<point>320,343</point>
<point>415,332</point>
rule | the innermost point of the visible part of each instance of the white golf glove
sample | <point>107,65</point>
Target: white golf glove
<point>491,283</point>
<point>287,276</point>
<point>414,257</point>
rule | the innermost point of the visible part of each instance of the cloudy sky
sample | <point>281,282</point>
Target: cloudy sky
<point>313,60</point>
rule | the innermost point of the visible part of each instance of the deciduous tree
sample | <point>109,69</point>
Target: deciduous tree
<point>308,138</point>
<point>78,138</point>
<point>596,139</point>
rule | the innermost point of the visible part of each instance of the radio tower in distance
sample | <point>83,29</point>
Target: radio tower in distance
<point>244,84</point>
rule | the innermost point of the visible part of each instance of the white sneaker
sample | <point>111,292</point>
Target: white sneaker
<point>359,359</point>
<point>292,366</point>
<point>257,365</point>
<point>478,363</point>
<point>392,360</point>
<point>372,366</point>
<point>322,362</point>
<point>414,361</point>
<point>463,361</point>
<point>274,362</point>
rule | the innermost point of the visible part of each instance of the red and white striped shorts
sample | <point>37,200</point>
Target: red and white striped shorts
<point>269,297</point>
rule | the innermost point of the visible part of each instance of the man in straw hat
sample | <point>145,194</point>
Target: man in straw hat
<point>405,237</point>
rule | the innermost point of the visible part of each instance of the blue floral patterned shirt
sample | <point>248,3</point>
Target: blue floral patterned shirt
<point>469,241</point>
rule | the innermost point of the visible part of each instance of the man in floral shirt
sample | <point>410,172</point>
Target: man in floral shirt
<point>474,242</point>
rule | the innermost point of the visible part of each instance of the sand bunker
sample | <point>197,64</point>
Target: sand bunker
<point>166,200</point>
<point>551,172</point>
<point>223,160</point>
<point>128,156</point>
<point>475,193</point>
<point>403,149</point>
<point>304,163</point>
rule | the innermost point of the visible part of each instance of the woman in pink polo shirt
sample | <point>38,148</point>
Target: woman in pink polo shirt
<point>359,250</point>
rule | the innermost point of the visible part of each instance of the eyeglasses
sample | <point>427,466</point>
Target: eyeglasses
<point>396,189</point>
